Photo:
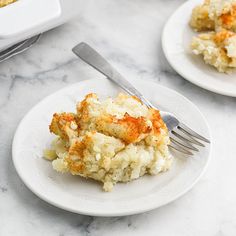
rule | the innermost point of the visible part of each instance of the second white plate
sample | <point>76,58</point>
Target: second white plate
<point>79,195</point>
<point>176,39</point>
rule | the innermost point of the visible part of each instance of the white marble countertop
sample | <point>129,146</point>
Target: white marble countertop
<point>128,33</point>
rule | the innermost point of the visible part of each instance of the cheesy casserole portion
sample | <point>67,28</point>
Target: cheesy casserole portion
<point>114,140</point>
<point>214,15</point>
<point>218,49</point>
<point>218,45</point>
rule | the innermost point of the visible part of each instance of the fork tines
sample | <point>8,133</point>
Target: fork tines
<point>183,138</point>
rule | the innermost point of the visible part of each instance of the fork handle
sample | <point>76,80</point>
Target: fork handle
<point>94,59</point>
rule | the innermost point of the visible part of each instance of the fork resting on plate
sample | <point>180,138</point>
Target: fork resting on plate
<point>182,137</point>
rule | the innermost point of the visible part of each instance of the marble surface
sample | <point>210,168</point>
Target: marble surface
<point>128,33</point>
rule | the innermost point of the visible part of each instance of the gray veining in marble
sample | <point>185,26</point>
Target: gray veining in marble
<point>128,33</point>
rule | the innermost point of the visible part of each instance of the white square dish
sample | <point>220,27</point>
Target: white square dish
<point>26,18</point>
<point>25,15</point>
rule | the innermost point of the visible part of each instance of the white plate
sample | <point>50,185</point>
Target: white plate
<point>176,39</point>
<point>79,195</point>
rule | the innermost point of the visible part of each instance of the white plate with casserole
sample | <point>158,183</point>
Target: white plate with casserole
<point>176,40</point>
<point>84,196</point>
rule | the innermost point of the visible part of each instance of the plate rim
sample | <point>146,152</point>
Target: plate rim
<point>186,76</point>
<point>90,212</point>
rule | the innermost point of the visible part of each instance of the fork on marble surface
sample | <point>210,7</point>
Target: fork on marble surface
<point>182,137</point>
<point>18,47</point>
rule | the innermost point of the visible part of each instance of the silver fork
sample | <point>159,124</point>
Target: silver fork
<point>18,48</point>
<point>182,137</point>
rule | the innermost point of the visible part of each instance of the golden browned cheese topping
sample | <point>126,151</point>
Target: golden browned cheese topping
<point>222,36</point>
<point>157,122</point>
<point>64,125</point>
<point>78,149</point>
<point>129,128</point>
<point>4,3</point>
<point>229,18</point>
<point>75,166</point>
<point>82,108</point>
